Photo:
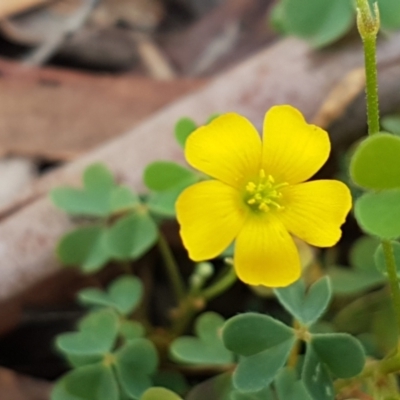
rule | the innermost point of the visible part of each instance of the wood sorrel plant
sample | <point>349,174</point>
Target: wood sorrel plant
<point>258,198</point>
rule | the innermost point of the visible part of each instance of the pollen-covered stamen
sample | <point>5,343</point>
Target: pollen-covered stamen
<point>263,194</point>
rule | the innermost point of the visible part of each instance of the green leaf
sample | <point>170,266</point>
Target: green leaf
<point>391,123</point>
<point>172,380</point>
<point>380,258</point>
<point>183,128</point>
<point>164,175</point>
<point>92,382</point>
<point>379,213</point>
<point>208,348</point>
<point>123,294</point>
<point>132,236</point>
<point>264,394</point>
<point>321,22</point>
<point>96,336</point>
<point>256,372</point>
<point>135,362</point>
<point>84,247</point>
<point>340,352</point>
<point>81,360</point>
<point>163,203</point>
<point>159,393</point>
<point>288,387</point>
<point>389,12</point>
<point>80,202</point>
<point>98,178</point>
<point>362,252</point>
<point>131,330</point>
<point>217,388</point>
<point>346,281</point>
<point>316,378</point>
<point>122,198</point>
<point>59,392</point>
<point>376,162</point>
<point>250,333</point>
<point>306,308</point>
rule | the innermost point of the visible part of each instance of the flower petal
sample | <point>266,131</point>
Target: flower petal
<point>228,149</point>
<point>210,214</point>
<point>314,211</point>
<point>265,253</point>
<point>293,151</point>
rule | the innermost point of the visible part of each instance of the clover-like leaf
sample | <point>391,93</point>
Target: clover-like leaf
<point>346,281</point>
<point>376,162</point>
<point>100,196</point>
<point>91,382</point>
<point>85,247</point>
<point>207,348</point>
<point>263,394</point>
<point>251,333</point>
<point>163,203</point>
<point>183,128</point>
<point>389,13</point>
<point>123,198</point>
<point>159,393</point>
<point>321,22</point>
<point>306,307</point>
<point>264,344</point>
<point>135,362</point>
<point>316,378</point>
<point>380,258</point>
<point>288,387</point>
<point>256,372</point>
<point>164,175</point>
<point>340,352</point>
<point>131,236</point>
<point>216,388</point>
<point>378,213</point>
<point>131,330</point>
<point>391,123</point>
<point>123,294</point>
<point>96,336</point>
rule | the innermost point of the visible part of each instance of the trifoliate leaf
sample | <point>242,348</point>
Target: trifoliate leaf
<point>306,307</point>
<point>207,348</point>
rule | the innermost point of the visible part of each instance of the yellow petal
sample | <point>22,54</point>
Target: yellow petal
<point>293,151</point>
<point>265,253</point>
<point>314,211</point>
<point>228,149</point>
<point>210,214</point>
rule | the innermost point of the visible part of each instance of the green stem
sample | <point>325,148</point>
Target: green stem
<point>223,284</point>
<point>393,280</point>
<point>172,268</point>
<point>368,24</point>
<point>371,84</point>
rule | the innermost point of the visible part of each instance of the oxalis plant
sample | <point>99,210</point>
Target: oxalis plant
<point>251,192</point>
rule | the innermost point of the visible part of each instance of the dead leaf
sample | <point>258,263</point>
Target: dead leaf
<point>66,113</point>
<point>338,99</point>
<point>14,386</point>
<point>11,7</point>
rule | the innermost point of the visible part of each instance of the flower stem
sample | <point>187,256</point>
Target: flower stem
<point>371,85</point>
<point>368,26</point>
<point>172,268</point>
<point>393,280</point>
<point>223,284</point>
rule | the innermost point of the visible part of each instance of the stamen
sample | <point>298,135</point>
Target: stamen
<point>264,194</point>
<point>251,187</point>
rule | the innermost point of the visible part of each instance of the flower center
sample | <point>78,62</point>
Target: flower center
<point>263,194</point>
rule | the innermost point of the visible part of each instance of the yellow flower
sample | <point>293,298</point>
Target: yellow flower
<point>258,196</point>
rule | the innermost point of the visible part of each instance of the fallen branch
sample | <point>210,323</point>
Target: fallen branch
<point>288,72</point>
